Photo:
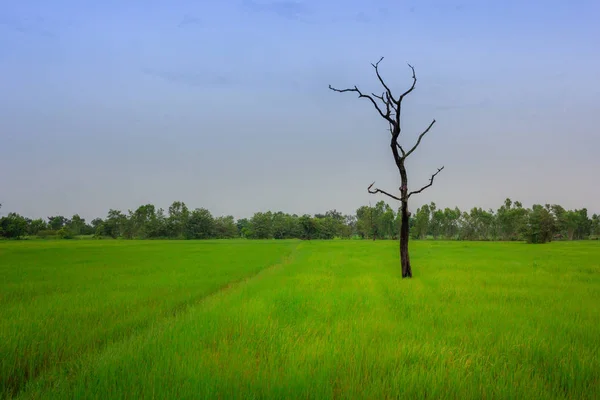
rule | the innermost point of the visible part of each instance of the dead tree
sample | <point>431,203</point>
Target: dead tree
<point>389,108</point>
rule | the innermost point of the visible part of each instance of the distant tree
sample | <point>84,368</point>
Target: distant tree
<point>261,225</point>
<point>13,226</point>
<point>560,221</point>
<point>96,222</point>
<point>478,224</point>
<point>336,222</point>
<point>397,224</point>
<point>584,224</point>
<point>387,222</point>
<point>225,227</point>
<point>365,222</point>
<point>485,223</point>
<point>389,108</point>
<point>511,216</point>
<point>147,222</point>
<point>293,228</point>
<point>308,226</point>
<point>76,225</point>
<point>178,219</point>
<point>539,226</point>
<point>113,224</point>
<point>200,225</point>
<point>326,227</point>
<point>280,226</point>
<point>436,221</point>
<point>243,226</point>
<point>468,225</point>
<point>493,225</point>
<point>421,222</point>
<point>450,222</point>
<point>37,225</point>
<point>595,226</point>
<point>571,222</point>
<point>57,222</point>
<point>349,227</point>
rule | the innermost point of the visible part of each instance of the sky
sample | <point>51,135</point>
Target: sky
<point>224,104</point>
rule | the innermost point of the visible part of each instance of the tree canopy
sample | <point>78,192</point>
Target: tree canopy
<point>511,221</point>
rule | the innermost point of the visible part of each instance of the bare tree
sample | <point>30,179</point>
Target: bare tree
<point>389,108</point>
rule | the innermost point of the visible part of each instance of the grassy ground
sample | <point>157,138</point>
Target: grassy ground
<point>61,300</point>
<point>320,320</point>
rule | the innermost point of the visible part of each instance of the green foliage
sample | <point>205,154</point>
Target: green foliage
<point>133,319</point>
<point>113,226</point>
<point>65,233</point>
<point>57,222</point>
<point>177,221</point>
<point>436,222</point>
<point>76,225</point>
<point>36,226</point>
<point>451,223</point>
<point>595,226</point>
<point>511,217</point>
<point>47,234</point>
<point>243,226</point>
<point>13,226</point>
<point>378,222</point>
<point>225,228</point>
<point>539,226</point>
<point>421,222</point>
<point>285,226</point>
<point>509,223</point>
<point>200,225</point>
<point>261,225</point>
<point>309,227</point>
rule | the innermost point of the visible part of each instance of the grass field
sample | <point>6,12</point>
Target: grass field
<point>252,319</point>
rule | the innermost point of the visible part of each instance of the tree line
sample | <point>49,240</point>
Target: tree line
<point>510,222</point>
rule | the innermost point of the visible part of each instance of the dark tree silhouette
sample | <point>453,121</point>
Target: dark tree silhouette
<point>389,108</point>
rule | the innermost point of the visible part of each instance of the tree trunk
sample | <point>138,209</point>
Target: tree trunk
<point>404,228</point>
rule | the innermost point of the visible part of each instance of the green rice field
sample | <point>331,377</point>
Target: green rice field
<point>112,319</point>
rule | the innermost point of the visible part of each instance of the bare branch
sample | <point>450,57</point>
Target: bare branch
<point>402,151</point>
<point>386,102</point>
<point>399,102</point>
<point>426,186</point>
<point>389,92</point>
<point>360,94</point>
<point>419,140</point>
<point>379,97</point>
<point>414,76</point>
<point>375,191</point>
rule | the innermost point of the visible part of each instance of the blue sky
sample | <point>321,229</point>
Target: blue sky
<point>224,104</point>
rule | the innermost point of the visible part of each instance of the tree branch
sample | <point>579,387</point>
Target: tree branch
<point>360,94</point>
<point>419,140</point>
<point>414,76</point>
<point>385,102</point>
<point>399,102</point>
<point>426,186</point>
<point>381,191</point>
<point>389,92</point>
